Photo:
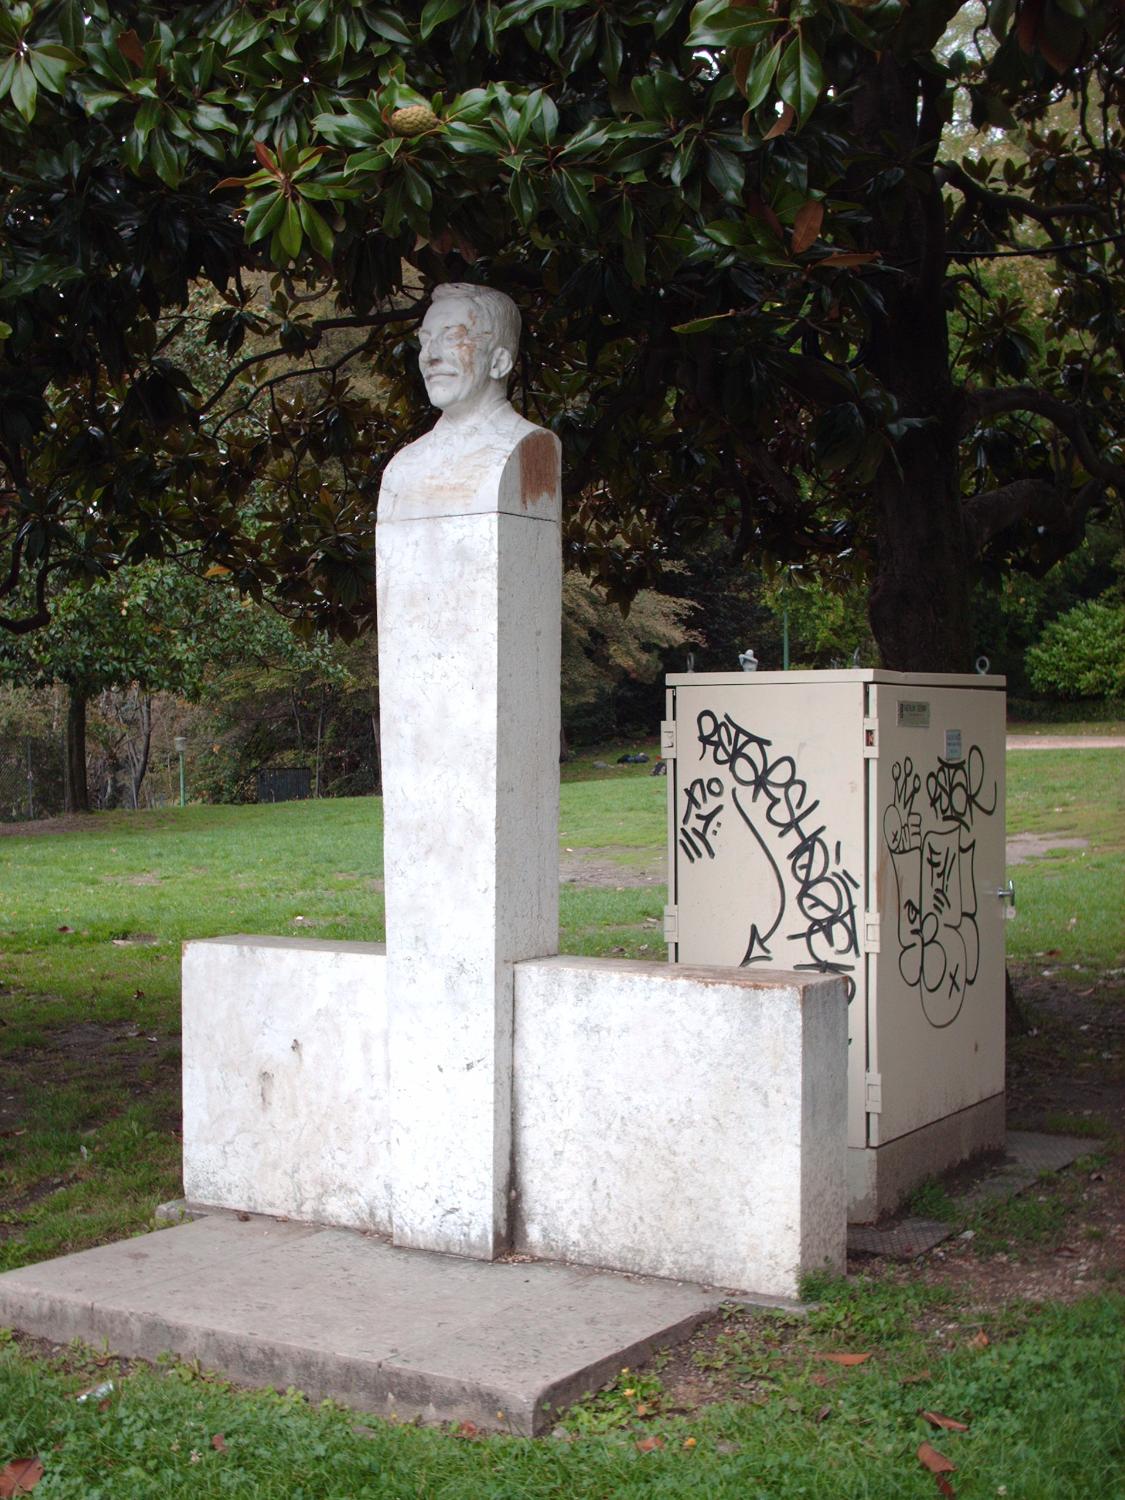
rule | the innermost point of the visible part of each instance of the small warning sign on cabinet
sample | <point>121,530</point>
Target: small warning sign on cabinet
<point>913,715</point>
<point>953,749</point>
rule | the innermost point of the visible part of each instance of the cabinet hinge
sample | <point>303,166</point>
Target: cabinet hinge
<point>874,1093</point>
<point>671,925</point>
<point>871,738</point>
<point>871,932</point>
<point>668,739</point>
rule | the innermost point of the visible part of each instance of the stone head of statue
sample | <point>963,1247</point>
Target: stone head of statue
<point>467,347</point>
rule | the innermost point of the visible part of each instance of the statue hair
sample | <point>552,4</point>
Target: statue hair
<point>495,308</point>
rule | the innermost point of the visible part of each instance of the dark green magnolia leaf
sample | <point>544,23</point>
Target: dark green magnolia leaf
<point>524,197</point>
<point>760,78</point>
<point>320,236</point>
<point>418,190</point>
<point>436,12</point>
<point>391,25</point>
<point>574,199</point>
<point>344,130</point>
<point>24,89</point>
<point>725,171</point>
<point>731,232</point>
<point>51,63</point>
<point>165,158</point>
<point>263,216</point>
<point>289,233</point>
<point>800,78</point>
<point>667,16</point>
<point>470,140</point>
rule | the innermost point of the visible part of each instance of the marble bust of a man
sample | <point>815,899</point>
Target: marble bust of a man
<point>482,456</point>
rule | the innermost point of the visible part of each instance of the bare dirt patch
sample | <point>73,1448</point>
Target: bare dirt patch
<point>115,1054</point>
<point>1024,846</point>
<point>606,875</point>
<point>589,867</point>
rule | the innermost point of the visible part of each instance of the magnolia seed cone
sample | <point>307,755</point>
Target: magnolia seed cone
<point>413,119</point>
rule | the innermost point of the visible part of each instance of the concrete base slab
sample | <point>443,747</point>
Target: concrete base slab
<point>333,1312</point>
<point>1027,1155</point>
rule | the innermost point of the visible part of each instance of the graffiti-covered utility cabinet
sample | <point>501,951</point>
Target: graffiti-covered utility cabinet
<point>852,822</point>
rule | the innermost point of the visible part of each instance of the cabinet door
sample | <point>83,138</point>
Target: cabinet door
<point>767,821</point>
<point>936,1003</point>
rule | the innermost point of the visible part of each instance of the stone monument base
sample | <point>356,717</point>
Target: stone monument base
<point>406,1334</point>
<point>667,1120</point>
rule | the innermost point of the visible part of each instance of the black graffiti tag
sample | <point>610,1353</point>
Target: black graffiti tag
<point>935,877</point>
<point>698,819</point>
<point>954,790</point>
<point>825,891</point>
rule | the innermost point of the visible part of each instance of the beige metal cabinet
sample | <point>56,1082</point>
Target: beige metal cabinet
<point>852,822</point>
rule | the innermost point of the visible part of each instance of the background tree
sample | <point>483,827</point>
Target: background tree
<point>750,267</point>
<point>151,628</point>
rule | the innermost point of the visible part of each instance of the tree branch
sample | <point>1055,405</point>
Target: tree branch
<point>1061,249</point>
<point>954,174</point>
<point>1068,419</point>
<point>1039,501</point>
<point>24,624</point>
<point>320,325</point>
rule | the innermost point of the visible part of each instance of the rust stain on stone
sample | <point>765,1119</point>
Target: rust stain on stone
<point>539,467</point>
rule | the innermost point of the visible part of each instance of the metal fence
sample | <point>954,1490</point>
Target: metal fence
<point>284,783</point>
<point>32,775</point>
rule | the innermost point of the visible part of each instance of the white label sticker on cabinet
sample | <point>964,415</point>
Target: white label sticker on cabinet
<point>953,749</point>
<point>913,715</point>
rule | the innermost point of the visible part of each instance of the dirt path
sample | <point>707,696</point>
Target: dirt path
<point>1066,742</point>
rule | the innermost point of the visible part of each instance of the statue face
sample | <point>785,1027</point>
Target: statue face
<point>457,357</point>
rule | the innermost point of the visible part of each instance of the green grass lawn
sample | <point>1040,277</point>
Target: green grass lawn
<point>1040,1403</point>
<point>91,924</point>
<point>1069,902</point>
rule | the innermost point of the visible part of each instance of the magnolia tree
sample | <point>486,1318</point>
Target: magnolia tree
<point>756,246</point>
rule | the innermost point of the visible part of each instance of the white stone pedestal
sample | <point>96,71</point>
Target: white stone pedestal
<point>469,642</point>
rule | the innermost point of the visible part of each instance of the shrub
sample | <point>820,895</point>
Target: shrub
<point>1082,653</point>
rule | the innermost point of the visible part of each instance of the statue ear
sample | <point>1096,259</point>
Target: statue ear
<point>500,364</point>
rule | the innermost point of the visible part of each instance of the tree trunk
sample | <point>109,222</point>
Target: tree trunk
<point>141,763</point>
<point>919,604</point>
<point>76,796</point>
<point>319,738</point>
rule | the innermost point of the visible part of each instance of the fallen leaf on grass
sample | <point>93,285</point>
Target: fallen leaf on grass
<point>919,1379</point>
<point>936,1462</point>
<point>944,1487</point>
<point>818,1378</point>
<point>825,1411</point>
<point>20,1476</point>
<point>468,1430</point>
<point>845,1359</point>
<point>980,1340</point>
<point>936,1419</point>
<point>650,1444</point>
<point>219,1443</point>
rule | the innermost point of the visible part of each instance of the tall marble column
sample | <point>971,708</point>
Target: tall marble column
<point>469,580</point>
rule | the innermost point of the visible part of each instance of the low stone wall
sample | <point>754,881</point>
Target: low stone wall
<point>677,1121</point>
<point>670,1121</point>
<point>286,1096</point>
